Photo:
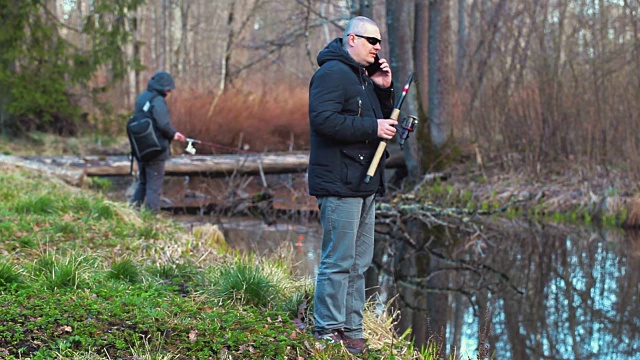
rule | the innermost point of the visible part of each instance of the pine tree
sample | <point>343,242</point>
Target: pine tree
<point>39,68</point>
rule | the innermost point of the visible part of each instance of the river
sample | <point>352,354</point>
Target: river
<point>524,290</point>
<point>532,291</point>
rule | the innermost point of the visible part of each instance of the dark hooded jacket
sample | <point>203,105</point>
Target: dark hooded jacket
<point>157,89</point>
<point>344,108</point>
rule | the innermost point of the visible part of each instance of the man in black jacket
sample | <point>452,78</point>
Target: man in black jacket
<point>350,100</point>
<point>151,173</point>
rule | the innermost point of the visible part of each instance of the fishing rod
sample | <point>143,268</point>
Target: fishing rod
<point>405,132</point>
<point>192,150</point>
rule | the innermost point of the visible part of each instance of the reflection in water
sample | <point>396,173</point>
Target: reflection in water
<point>547,292</point>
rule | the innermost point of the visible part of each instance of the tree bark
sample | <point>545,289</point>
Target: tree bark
<point>217,165</point>
<point>401,20</point>
<point>227,48</point>
<point>362,8</point>
<point>440,76</point>
<point>461,40</point>
<point>163,36</point>
<point>6,118</point>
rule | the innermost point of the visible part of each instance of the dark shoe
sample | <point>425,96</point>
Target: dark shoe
<point>334,337</point>
<point>355,346</point>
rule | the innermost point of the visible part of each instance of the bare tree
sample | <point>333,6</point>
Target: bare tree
<point>527,80</point>
<point>461,40</point>
<point>362,8</point>
<point>401,27</point>
<point>440,73</point>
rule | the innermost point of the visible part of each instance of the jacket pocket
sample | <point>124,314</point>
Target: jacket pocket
<point>355,164</point>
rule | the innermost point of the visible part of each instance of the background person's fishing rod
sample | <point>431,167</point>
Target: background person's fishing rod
<point>192,150</point>
<point>407,127</point>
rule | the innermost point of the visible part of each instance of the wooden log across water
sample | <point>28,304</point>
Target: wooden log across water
<point>210,165</point>
<point>73,176</point>
<point>73,169</point>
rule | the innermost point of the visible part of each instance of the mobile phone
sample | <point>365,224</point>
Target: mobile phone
<point>375,67</point>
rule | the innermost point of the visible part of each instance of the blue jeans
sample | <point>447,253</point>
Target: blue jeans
<point>151,178</point>
<point>347,252</point>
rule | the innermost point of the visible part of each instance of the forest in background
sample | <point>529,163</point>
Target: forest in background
<point>520,82</point>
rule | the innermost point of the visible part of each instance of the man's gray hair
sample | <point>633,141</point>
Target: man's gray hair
<point>357,25</point>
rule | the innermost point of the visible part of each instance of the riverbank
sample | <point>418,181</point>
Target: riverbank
<point>569,189</point>
<point>85,277</point>
<point>53,228</point>
<point>565,191</point>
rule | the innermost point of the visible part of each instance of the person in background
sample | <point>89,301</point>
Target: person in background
<point>151,173</point>
<point>350,101</point>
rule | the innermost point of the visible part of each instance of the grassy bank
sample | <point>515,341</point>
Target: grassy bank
<point>600,198</point>
<point>82,277</point>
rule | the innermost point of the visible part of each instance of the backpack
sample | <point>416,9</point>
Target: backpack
<point>143,134</point>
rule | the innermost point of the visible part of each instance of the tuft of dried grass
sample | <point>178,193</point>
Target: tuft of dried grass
<point>204,245</point>
<point>126,213</point>
<point>379,326</point>
<point>211,235</point>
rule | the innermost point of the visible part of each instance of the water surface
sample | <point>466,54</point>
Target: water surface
<point>526,290</point>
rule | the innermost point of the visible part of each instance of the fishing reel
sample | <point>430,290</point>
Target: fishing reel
<point>407,126</point>
<point>190,149</point>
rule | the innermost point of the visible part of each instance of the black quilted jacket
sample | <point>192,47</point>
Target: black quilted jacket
<point>344,105</point>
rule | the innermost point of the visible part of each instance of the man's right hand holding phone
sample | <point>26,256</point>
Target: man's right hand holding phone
<point>383,76</point>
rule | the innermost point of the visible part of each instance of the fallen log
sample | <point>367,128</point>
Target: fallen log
<point>211,165</point>
<point>72,176</point>
<point>181,165</point>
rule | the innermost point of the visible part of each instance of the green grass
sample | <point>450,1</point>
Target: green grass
<point>82,277</point>
<point>39,144</point>
<point>10,275</point>
<point>125,270</point>
<point>244,282</point>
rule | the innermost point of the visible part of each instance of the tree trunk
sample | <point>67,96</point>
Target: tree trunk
<point>6,118</point>
<point>72,176</point>
<point>163,36</point>
<point>213,165</point>
<point>461,50</point>
<point>12,18</point>
<point>182,51</point>
<point>440,76</point>
<point>131,49</point>
<point>228,43</point>
<point>400,17</point>
<point>136,50</point>
<point>362,8</point>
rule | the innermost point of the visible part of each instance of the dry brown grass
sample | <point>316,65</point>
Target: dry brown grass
<point>269,120</point>
<point>632,244</point>
<point>633,213</point>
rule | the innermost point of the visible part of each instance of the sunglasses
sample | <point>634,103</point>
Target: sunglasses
<point>370,39</point>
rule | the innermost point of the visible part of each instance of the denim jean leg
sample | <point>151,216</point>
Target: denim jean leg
<point>339,218</point>
<point>363,256</point>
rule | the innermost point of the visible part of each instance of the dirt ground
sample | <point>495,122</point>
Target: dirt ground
<point>559,187</point>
